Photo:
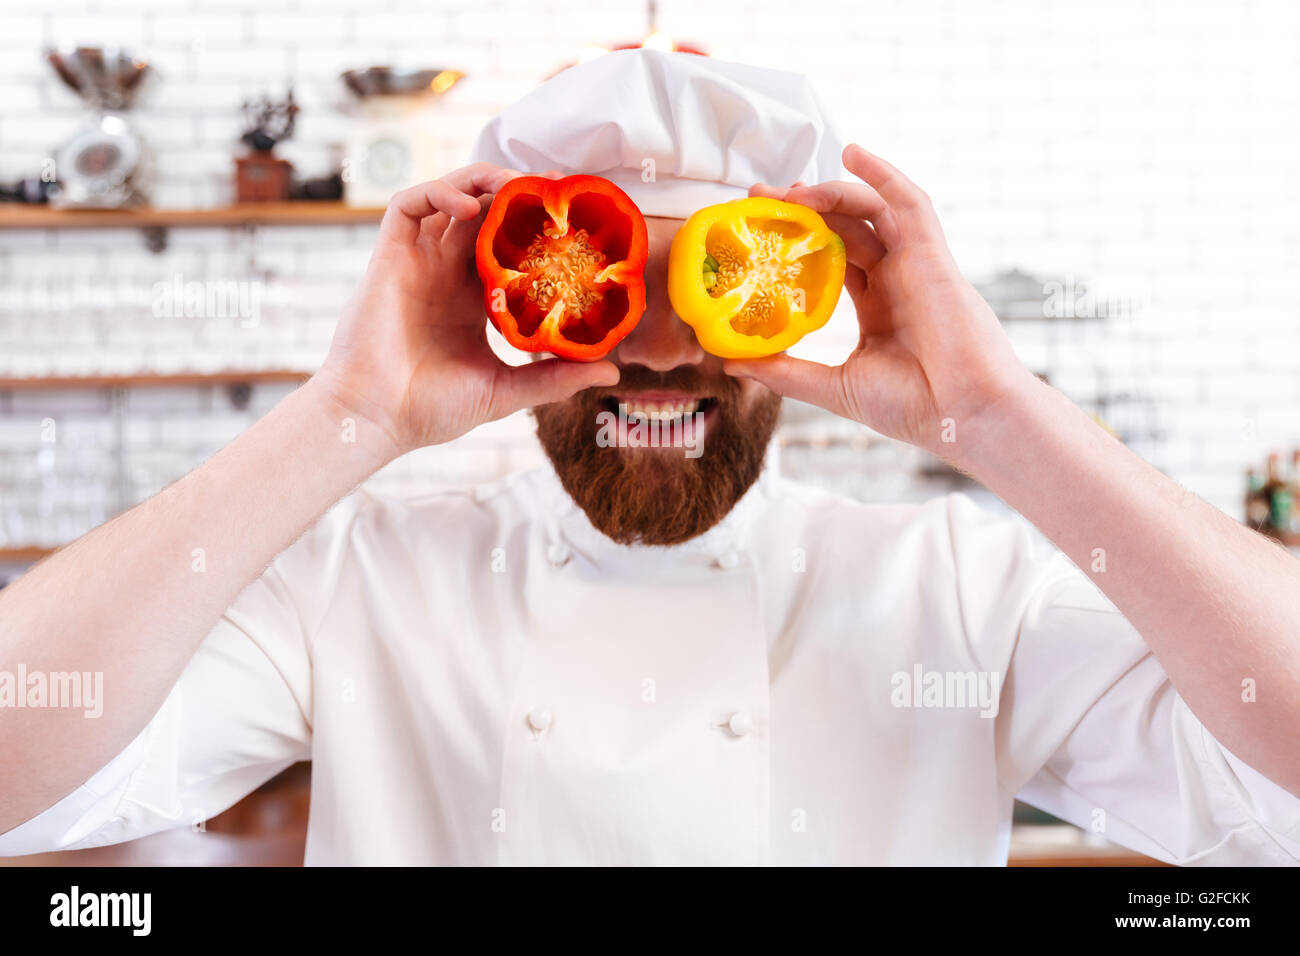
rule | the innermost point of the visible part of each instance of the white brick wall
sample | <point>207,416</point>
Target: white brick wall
<point>1144,146</point>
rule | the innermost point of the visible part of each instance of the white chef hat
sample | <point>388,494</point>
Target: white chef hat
<point>707,129</point>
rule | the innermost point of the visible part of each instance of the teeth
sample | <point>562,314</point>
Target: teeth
<point>659,411</point>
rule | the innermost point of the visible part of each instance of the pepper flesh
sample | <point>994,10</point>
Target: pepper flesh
<point>754,276</point>
<point>562,263</point>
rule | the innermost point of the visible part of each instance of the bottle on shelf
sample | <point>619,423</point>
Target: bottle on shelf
<point>1280,496</point>
<point>1293,481</point>
<point>1257,506</point>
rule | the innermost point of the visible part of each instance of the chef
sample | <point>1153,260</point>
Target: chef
<point>635,656</point>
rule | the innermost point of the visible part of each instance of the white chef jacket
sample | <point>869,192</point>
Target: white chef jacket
<point>481,677</point>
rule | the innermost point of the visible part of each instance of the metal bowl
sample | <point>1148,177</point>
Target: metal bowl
<point>394,81</point>
<point>104,76</point>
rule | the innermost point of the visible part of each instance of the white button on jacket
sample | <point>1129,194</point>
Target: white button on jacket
<point>741,724</point>
<point>484,678</point>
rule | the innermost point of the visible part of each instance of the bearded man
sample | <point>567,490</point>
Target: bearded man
<point>642,656</point>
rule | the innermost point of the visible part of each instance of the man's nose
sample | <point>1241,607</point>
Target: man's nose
<point>661,341</point>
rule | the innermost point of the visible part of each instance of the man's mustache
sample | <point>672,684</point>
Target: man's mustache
<point>685,378</point>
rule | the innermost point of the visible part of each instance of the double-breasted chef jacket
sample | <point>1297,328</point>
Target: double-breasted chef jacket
<point>481,677</point>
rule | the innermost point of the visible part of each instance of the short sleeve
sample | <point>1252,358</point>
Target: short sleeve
<point>1089,726</point>
<point>239,714</point>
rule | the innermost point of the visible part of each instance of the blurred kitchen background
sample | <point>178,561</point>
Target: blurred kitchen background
<point>1119,177</point>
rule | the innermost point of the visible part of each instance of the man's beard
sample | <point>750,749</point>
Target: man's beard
<point>658,496</point>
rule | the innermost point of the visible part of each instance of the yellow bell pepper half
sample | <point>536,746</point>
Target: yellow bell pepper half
<point>754,276</point>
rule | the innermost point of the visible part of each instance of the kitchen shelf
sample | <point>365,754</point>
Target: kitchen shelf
<point>1063,845</point>
<point>300,213</point>
<point>24,555</point>
<point>156,381</point>
<point>1073,857</point>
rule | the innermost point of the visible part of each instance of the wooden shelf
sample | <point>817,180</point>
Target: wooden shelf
<point>1060,845</point>
<point>155,381</point>
<point>1067,859</point>
<point>24,555</point>
<point>300,213</point>
<point>1078,856</point>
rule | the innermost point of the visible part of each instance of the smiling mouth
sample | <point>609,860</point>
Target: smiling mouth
<point>665,412</point>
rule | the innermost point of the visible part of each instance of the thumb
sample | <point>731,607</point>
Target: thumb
<point>550,380</point>
<point>804,381</point>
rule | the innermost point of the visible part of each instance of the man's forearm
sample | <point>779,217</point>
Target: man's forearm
<point>133,599</point>
<point>1214,601</point>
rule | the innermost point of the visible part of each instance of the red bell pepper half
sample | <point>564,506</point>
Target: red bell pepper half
<point>563,265</point>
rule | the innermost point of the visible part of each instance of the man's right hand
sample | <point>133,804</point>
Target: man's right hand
<point>411,356</point>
